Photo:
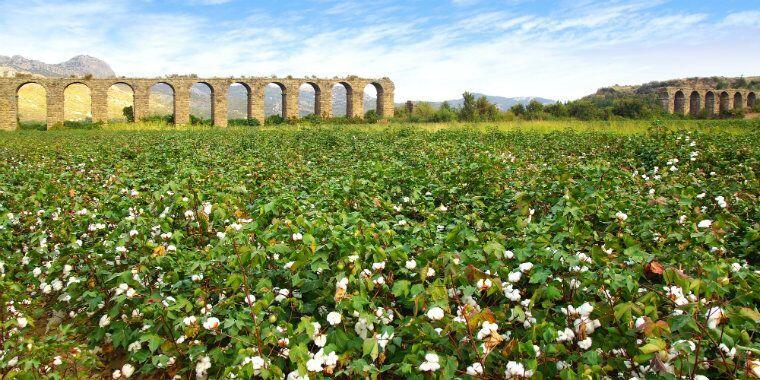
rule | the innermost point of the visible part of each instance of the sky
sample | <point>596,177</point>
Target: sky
<point>432,50</point>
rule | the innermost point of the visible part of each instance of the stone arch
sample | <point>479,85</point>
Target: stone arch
<point>31,105</point>
<point>724,102</point>
<point>738,101</point>
<point>119,96</point>
<point>377,91</point>
<point>77,102</point>
<point>342,92</point>
<point>679,102</point>
<point>162,101</point>
<point>710,103</point>
<point>201,103</point>
<point>239,101</point>
<point>695,105</point>
<point>309,99</point>
<point>751,100</point>
<point>275,99</point>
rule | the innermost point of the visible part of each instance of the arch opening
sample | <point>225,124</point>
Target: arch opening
<point>341,96</point>
<point>239,110</point>
<point>201,104</point>
<point>724,102</point>
<point>309,100</point>
<point>751,100</point>
<point>31,101</point>
<point>274,100</point>
<point>161,103</point>
<point>738,103</point>
<point>710,103</point>
<point>679,105</point>
<point>121,103</point>
<point>77,103</point>
<point>695,103</point>
<point>373,96</point>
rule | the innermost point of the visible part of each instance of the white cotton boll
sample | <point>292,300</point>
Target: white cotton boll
<point>411,264</point>
<point>104,321</point>
<point>621,216</point>
<point>314,365</point>
<point>127,370</point>
<point>116,374</point>
<point>721,201</point>
<point>22,322</point>
<point>475,369</point>
<point>297,236</point>
<point>508,254</point>
<point>430,272</point>
<point>585,344</point>
<point>526,267</point>
<point>334,318</point>
<point>714,316</point>
<point>435,313</point>
<point>514,277</point>
<point>211,323</point>
<point>320,340</point>
<point>706,223</point>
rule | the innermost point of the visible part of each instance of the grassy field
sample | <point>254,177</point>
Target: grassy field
<point>544,249</point>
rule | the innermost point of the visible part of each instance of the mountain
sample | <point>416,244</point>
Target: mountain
<point>503,103</point>
<point>80,65</point>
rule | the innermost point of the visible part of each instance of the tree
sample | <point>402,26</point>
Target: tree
<point>518,109</point>
<point>557,110</point>
<point>468,112</point>
<point>486,111</point>
<point>129,113</point>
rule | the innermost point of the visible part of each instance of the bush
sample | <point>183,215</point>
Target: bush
<point>161,119</point>
<point>77,124</point>
<point>195,120</point>
<point>371,117</point>
<point>274,120</point>
<point>312,119</point>
<point>244,122</point>
<point>129,113</point>
<point>32,126</point>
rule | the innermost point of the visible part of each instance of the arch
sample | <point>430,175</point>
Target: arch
<point>77,102</point>
<point>751,100</point>
<point>201,103</point>
<point>738,102</point>
<point>695,105</point>
<point>679,103</point>
<point>31,106</point>
<point>710,103</point>
<point>239,102</point>
<point>309,103</point>
<point>724,102</point>
<point>341,99</point>
<point>373,90</point>
<point>162,102</point>
<point>274,99</point>
<point>120,98</point>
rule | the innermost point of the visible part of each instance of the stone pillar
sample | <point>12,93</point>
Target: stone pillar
<point>8,110</point>
<point>290,101</point>
<point>99,98</point>
<point>256,101</point>
<point>219,104</point>
<point>356,103</point>
<point>54,104</point>
<point>386,107</point>
<point>141,101</point>
<point>181,103</point>
<point>325,101</point>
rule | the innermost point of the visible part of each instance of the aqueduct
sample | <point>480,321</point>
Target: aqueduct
<point>694,100</point>
<point>254,86</point>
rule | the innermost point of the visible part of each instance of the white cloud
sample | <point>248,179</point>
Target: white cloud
<point>564,54</point>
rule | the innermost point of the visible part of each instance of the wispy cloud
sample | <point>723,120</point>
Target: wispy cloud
<point>434,51</point>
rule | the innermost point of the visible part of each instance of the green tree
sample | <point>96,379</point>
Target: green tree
<point>129,113</point>
<point>468,112</point>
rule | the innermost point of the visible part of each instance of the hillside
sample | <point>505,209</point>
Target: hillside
<point>650,87</point>
<point>503,103</point>
<point>79,66</point>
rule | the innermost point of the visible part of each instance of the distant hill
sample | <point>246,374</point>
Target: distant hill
<point>79,65</point>
<point>503,103</point>
<point>650,87</point>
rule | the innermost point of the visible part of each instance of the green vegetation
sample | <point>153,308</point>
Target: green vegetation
<point>388,251</point>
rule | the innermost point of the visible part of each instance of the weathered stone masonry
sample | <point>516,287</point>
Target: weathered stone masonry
<point>693,100</point>
<point>55,87</point>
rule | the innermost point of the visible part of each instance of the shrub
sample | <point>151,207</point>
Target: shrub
<point>274,120</point>
<point>252,122</point>
<point>129,113</point>
<point>32,126</point>
<point>371,117</point>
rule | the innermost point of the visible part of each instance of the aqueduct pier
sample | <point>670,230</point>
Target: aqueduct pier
<point>254,86</point>
<point>695,100</point>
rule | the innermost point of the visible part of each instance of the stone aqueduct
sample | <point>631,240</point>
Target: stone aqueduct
<point>694,100</point>
<point>55,88</point>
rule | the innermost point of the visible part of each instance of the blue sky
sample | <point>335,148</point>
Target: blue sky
<point>433,50</point>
